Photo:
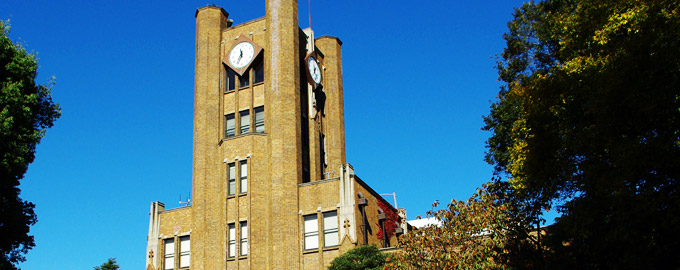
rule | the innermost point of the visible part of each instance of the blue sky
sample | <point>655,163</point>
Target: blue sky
<point>418,76</point>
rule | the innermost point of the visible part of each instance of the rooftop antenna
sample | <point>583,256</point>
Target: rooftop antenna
<point>393,194</point>
<point>187,202</point>
<point>309,10</point>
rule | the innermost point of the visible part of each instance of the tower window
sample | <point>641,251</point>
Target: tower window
<point>244,177</point>
<point>169,251</point>
<point>322,156</point>
<point>244,80</point>
<point>244,238</point>
<point>230,79</point>
<point>229,125</point>
<point>232,240</point>
<point>259,119</point>
<point>259,73</point>
<point>244,121</point>
<point>184,252</point>
<point>330,229</point>
<point>231,175</point>
<point>311,226</point>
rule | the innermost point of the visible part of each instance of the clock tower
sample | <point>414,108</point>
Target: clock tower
<point>271,186</point>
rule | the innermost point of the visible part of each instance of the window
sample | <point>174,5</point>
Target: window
<point>229,125</point>
<point>231,175</point>
<point>322,152</point>
<point>184,252</point>
<point>259,119</point>
<point>259,73</point>
<point>324,156</point>
<point>311,226</point>
<point>244,177</point>
<point>169,259</point>
<point>330,229</point>
<point>230,79</point>
<point>232,240</point>
<point>244,80</point>
<point>244,121</point>
<point>244,238</point>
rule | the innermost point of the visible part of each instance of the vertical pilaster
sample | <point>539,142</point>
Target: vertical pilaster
<point>334,120</point>
<point>282,77</point>
<point>208,234</point>
<point>154,233</point>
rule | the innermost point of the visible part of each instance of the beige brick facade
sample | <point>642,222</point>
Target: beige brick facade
<point>255,188</point>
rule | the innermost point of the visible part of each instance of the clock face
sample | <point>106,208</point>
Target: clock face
<point>241,54</point>
<point>314,70</point>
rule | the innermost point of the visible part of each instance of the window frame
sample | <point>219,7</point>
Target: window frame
<point>168,255</point>
<point>231,179</point>
<point>243,177</point>
<point>183,253</point>
<point>230,79</point>
<point>332,230</point>
<point>244,128</point>
<point>243,239</point>
<point>310,232</point>
<point>259,121</point>
<point>257,70</point>
<point>231,238</point>
<point>227,118</point>
<point>244,80</point>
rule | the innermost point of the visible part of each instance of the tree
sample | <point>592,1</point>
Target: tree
<point>26,111</point>
<point>364,257</point>
<point>487,231</point>
<point>588,119</point>
<point>111,264</point>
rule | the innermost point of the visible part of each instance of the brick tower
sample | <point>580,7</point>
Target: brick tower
<point>271,186</point>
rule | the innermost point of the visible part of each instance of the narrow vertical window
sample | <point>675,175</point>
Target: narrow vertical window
<point>324,156</point>
<point>322,152</point>
<point>169,251</point>
<point>244,80</point>
<point>259,73</point>
<point>229,125</point>
<point>244,122</point>
<point>259,119</point>
<point>244,238</point>
<point>230,79</point>
<point>244,177</point>
<point>330,229</point>
<point>311,232</point>
<point>232,240</point>
<point>231,175</point>
<point>184,252</point>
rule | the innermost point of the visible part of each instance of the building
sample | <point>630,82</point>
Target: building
<point>271,186</point>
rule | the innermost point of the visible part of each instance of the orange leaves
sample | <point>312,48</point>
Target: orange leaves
<point>471,235</point>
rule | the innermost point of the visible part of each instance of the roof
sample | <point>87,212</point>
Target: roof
<point>424,222</point>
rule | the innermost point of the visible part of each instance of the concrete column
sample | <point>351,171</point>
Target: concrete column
<point>154,234</point>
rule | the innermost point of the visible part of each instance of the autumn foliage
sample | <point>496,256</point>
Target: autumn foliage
<point>391,220</point>
<point>479,233</point>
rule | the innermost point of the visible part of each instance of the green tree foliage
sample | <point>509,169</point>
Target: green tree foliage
<point>364,257</point>
<point>26,110</point>
<point>484,232</point>
<point>111,264</point>
<point>589,118</point>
